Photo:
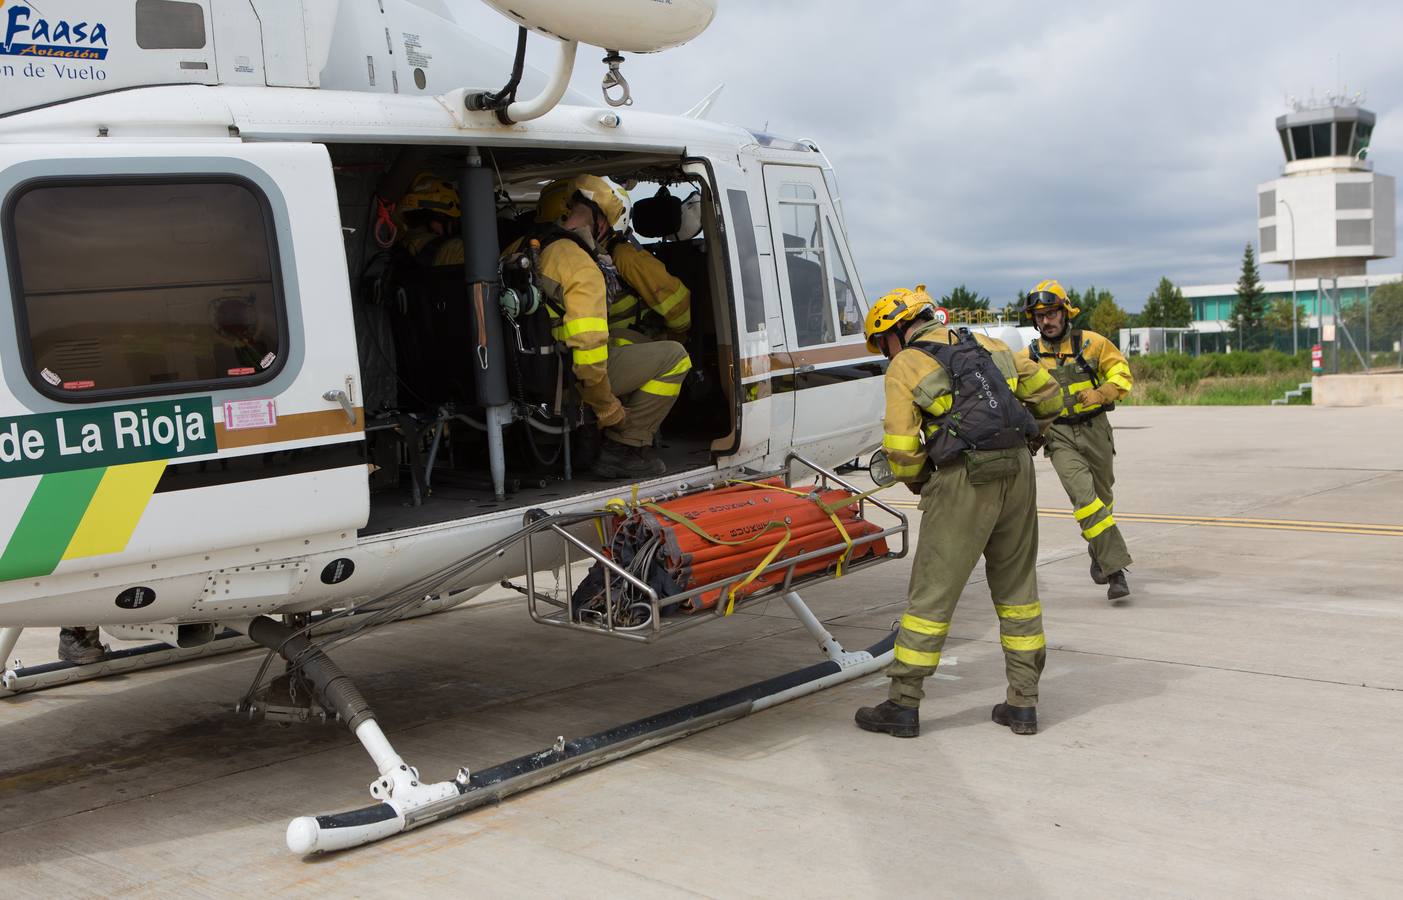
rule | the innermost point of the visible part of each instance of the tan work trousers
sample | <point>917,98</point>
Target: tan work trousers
<point>1084,457</point>
<point>964,516</point>
<point>647,379</point>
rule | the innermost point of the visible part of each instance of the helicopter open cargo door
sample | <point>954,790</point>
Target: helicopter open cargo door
<point>836,380</point>
<point>179,373</point>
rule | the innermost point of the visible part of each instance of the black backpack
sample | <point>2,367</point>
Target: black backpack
<point>984,414</point>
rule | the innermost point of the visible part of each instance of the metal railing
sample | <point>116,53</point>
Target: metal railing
<point>618,581</point>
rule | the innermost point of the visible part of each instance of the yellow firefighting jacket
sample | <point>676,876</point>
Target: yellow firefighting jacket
<point>449,252</point>
<point>663,293</point>
<point>572,280</point>
<point>918,396</point>
<point>1112,381</point>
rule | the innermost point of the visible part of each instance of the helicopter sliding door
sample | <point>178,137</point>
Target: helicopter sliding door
<point>179,371</point>
<point>835,378</point>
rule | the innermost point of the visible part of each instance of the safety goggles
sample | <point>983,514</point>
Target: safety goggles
<point>1043,298</point>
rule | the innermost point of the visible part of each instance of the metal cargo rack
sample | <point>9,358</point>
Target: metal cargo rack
<point>552,610</point>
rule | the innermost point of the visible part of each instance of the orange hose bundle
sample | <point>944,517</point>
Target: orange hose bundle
<point>730,535</point>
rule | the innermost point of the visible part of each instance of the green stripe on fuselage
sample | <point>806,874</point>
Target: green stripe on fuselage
<point>48,523</point>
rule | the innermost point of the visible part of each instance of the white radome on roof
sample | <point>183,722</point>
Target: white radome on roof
<point>634,26</point>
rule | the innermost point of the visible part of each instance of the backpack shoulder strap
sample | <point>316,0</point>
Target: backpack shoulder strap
<point>1078,345</point>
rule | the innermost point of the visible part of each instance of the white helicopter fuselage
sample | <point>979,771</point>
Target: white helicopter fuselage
<point>221,498</point>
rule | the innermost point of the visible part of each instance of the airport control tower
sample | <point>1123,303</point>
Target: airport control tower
<point>1342,210</point>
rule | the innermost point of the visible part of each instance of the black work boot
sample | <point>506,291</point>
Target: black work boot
<point>1019,719</point>
<point>1096,574</point>
<point>891,717</point>
<point>80,646</point>
<point>620,461</point>
<point>1119,588</point>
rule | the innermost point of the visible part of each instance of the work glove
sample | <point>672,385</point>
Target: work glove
<point>1037,444</point>
<point>1092,397</point>
<point>915,487</point>
<point>612,417</point>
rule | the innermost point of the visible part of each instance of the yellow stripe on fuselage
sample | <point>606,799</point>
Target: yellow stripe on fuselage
<point>116,507</point>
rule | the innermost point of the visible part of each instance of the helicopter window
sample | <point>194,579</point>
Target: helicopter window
<point>797,192</point>
<point>141,288</point>
<point>850,311</point>
<point>751,290</point>
<point>169,25</point>
<point>805,262</point>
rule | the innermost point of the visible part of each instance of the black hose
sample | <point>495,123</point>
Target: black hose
<point>334,689</point>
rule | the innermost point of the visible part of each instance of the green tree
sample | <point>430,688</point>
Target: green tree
<point>962,297</point>
<point>1278,317</point>
<point>1090,299</point>
<point>1109,318</point>
<point>1251,306</point>
<point>1385,316</point>
<point>1166,307</point>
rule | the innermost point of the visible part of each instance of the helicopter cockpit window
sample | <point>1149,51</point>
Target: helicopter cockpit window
<point>806,264</point>
<point>142,288</point>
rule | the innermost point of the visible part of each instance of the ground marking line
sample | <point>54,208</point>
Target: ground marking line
<point>1358,528</point>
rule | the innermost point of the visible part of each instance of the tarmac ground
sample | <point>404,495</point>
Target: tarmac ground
<point>1232,731</point>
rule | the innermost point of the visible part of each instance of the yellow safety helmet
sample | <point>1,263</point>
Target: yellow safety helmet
<point>554,200</point>
<point>429,193</point>
<point>605,196</point>
<point>1048,294</point>
<point>893,308</point>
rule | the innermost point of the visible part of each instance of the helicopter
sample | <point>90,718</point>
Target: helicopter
<point>229,418</point>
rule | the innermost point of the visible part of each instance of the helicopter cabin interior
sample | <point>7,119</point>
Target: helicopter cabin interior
<point>426,438</point>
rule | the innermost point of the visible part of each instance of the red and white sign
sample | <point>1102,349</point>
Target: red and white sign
<point>240,414</point>
<point>942,316</point>
<point>1317,358</point>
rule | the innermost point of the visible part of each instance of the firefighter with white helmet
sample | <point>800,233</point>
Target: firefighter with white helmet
<point>960,412</point>
<point>1092,375</point>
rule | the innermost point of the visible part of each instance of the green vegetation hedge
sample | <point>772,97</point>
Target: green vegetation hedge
<point>1237,379</point>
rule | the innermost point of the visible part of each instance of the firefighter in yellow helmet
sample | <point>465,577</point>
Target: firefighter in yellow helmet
<point>630,388</point>
<point>1092,375</point>
<point>431,216</point>
<point>961,410</point>
<point>641,274</point>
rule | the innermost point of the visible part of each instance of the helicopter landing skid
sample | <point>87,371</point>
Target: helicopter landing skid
<point>404,802</point>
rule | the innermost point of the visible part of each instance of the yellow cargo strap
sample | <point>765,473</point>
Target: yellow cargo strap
<point>711,538</point>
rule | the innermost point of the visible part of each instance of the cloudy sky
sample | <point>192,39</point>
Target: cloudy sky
<point>998,143</point>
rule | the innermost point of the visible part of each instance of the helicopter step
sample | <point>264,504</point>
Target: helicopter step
<point>404,801</point>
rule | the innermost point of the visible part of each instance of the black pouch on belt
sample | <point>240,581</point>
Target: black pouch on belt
<point>985,466</point>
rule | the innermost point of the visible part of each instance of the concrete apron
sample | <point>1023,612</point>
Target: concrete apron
<point>1243,707</point>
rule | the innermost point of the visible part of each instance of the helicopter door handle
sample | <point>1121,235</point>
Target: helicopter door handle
<point>339,396</point>
<point>805,369</point>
